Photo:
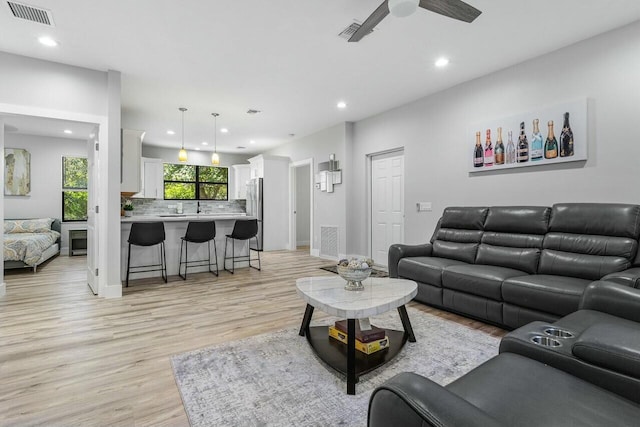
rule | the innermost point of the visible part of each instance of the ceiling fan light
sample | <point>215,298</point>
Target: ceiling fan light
<point>402,8</point>
<point>215,159</point>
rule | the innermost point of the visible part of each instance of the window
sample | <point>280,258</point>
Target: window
<point>191,182</point>
<point>74,189</point>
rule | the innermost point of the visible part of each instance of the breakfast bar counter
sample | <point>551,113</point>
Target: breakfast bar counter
<point>175,227</point>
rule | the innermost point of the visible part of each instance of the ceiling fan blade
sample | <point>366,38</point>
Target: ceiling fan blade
<point>456,9</point>
<point>373,20</point>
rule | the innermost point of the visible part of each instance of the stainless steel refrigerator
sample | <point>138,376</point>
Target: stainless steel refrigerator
<point>255,207</point>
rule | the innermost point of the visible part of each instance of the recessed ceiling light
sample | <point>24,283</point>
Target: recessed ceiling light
<point>342,105</point>
<point>252,142</point>
<point>170,132</point>
<point>224,130</point>
<point>197,148</point>
<point>68,131</point>
<point>442,62</point>
<point>205,143</point>
<point>47,41</point>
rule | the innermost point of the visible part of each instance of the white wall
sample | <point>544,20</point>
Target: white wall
<point>432,131</point>
<point>201,158</point>
<point>329,208</point>
<point>45,199</point>
<point>303,208</point>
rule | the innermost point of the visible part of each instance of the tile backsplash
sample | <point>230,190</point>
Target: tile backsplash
<point>157,207</point>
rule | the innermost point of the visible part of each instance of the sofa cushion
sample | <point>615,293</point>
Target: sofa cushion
<point>465,252</point>
<point>591,267</point>
<point>482,280</point>
<point>522,259</point>
<point>518,219</point>
<point>425,269</point>
<point>522,392</point>
<point>469,218</point>
<point>558,295</point>
<point>611,346</point>
<point>603,219</point>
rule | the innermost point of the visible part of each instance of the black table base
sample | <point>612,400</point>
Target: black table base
<point>344,358</point>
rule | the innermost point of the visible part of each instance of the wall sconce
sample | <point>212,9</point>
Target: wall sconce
<point>328,175</point>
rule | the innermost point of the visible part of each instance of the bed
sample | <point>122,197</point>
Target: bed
<point>30,242</point>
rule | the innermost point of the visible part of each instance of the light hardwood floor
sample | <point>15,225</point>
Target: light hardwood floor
<point>68,358</point>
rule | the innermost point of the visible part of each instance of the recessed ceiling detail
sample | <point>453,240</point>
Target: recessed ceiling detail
<point>31,13</point>
<point>252,111</point>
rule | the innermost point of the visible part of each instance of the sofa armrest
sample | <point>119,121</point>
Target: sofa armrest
<point>410,400</point>
<point>398,251</point>
<point>629,277</point>
<point>612,298</point>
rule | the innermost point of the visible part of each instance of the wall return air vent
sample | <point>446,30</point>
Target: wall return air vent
<point>31,13</point>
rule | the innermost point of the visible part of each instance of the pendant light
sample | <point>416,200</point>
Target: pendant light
<point>182,154</point>
<point>215,159</point>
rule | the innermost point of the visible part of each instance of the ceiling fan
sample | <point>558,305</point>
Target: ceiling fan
<point>456,9</point>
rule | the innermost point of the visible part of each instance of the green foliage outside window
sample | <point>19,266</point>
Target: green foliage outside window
<point>74,188</point>
<point>190,182</point>
<point>74,205</point>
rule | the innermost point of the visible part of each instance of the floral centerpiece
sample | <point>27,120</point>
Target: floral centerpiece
<point>128,208</point>
<point>354,271</point>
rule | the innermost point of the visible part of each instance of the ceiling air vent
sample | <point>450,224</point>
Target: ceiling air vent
<point>348,32</point>
<point>31,13</point>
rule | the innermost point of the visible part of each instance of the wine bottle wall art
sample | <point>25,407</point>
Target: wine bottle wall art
<point>528,141</point>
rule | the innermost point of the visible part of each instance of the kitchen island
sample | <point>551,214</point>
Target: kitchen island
<point>175,227</point>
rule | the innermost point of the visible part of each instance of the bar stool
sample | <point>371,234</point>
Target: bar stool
<point>242,230</point>
<point>198,232</point>
<point>147,234</point>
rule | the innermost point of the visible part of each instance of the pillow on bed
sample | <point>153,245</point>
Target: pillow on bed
<point>39,225</point>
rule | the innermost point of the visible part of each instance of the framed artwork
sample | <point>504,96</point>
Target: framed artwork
<point>551,135</point>
<point>17,172</point>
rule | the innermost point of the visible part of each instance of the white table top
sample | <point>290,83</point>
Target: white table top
<point>379,295</point>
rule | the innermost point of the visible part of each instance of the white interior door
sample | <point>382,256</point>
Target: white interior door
<point>387,204</point>
<point>92,220</point>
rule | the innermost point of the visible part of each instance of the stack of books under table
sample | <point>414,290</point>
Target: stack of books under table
<point>367,341</point>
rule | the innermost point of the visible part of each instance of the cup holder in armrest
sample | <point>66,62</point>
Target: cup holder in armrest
<point>558,333</point>
<point>545,341</point>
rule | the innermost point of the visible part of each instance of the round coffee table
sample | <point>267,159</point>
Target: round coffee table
<point>379,296</point>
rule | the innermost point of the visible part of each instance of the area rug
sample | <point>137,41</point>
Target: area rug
<point>275,379</point>
<point>374,271</point>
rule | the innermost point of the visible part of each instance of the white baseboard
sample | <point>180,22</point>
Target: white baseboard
<point>315,253</point>
<point>3,289</point>
<point>112,291</point>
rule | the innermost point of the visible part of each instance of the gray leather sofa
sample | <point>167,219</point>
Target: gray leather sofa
<point>511,265</point>
<point>591,379</point>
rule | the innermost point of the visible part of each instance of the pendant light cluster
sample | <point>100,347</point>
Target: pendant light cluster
<point>215,158</point>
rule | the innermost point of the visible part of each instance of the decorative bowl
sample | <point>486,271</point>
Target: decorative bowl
<point>354,277</point>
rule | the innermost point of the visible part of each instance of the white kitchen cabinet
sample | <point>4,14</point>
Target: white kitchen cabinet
<point>241,174</point>
<point>130,170</point>
<point>152,182</point>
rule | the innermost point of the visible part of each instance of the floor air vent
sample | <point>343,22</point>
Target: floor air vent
<point>31,13</point>
<point>329,241</point>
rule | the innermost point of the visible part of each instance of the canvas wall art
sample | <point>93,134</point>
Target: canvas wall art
<point>545,136</point>
<point>17,172</point>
